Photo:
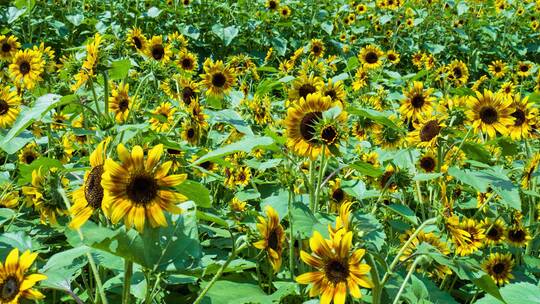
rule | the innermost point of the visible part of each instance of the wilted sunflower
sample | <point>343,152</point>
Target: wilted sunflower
<point>302,120</point>
<point>524,69</point>
<point>9,46</point>
<point>498,69</point>
<point>335,90</point>
<point>43,194</point>
<point>490,113</point>
<point>427,130</point>
<point>417,101</point>
<point>337,268</point>
<point>158,50</point>
<point>499,267</point>
<point>138,190</point>
<point>495,231</point>
<point>517,235</point>
<point>87,199</point>
<point>434,269</point>
<point>9,106</point>
<point>305,85</point>
<point>120,102</point>
<point>317,48</point>
<point>136,38</point>
<point>458,72</point>
<point>218,78</point>
<point>525,117</point>
<point>529,171</point>
<point>187,61</point>
<point>371,56</point>
<point>162,117</point>
<point>273,236</point>
<point>26,68</point>
<point>15,283</point>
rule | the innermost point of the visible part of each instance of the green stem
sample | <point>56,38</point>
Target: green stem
<point>407,277</point>
<point>291,236</point>
<point>322,168</point>
<point>106,94</point>
<point>128,272</point>
<point>95,96</point>
<point>377,288</point>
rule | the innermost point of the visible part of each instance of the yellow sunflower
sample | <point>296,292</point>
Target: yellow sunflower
<point>304,85</point>
<point>418,101</point>
<point>335,90</point>
<point>518,236</point>
<point>9,46</point>
<point>337,195</point>
<point>428,162</point>
<point>15,283</point>
<point>163,117</point>
<point>9,196</point>
<point>472,237</point>
<point>187,61</point>
<point>9,106</point>
<point>458,72</point>
<point>495,231</point>
<point>285,12</point>
<point>499,267</point>
<point>525,117</point>
<point>427,130</point>
<point>138,190</point>
<point>158,50</point>
<point>529,171</point>
<point>490,113</point>
<point>87,199</point>
<point>26,68</point>
<point>136,39</point>
<point>120,102</point>
<point>302,119</point>
<point>317,48</point>
<point>29,153</point>
<point>273,236</point>
<point>393,57</point>
<point>524,69</point>
<point>190,132</point>
<point>337,269</point>
<point>507,88</point>
<point>218,78</point>
<point>371,56</point>
<point>498,69</point>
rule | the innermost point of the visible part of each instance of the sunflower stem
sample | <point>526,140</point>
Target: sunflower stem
<point>322,168</point>
<point>377,288</point>
<point>94,95</point>
<point>311,187</point>
<point>128,272</point>
<point>106,94</point>
<point>407,277</point>
<point>291,235</point>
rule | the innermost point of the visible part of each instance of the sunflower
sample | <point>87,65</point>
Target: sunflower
<point>218,78</point>
<point>138,190</point>
<point>529,171</point>
<point>9,196</point>
<point>26,68</point>
<point>43,194</point>
<point>337,195</point>
<point>525,117</point>
<point>9,46</point>
<point>458,72</point>
<point>163,117</point>
<point>507,88</point>
<point>273,236</point>
<point>469,237</point>
<point>524,69</point>
<point>433,269</point>
<point>371,56</point>
<point>91,62</point>
<point>517,235</point>
<point>498,69</point>
<point>180,88</point>
<point>337,268</point>
<point>302,120</point>
<point>120,102</point>
<point>361,79</point>
<point>305,85</point>
<point>89,196</point>
<point>15,283</point>
<point>190,132</point>
<point>335,90</point>
<point>272,4</point>
<point>158,50</point>
<point>417,101</point>
<point>490,113</point>
<point>196,114</point>
<point>427,130</point>
<point>136,39</point>
<point>29,153</point>
<point>187,61</point>
<point>9,106</point>
<point>388,137</point>
<point>285,11</point>
<point>261,109</point>
<point>317,48</point>
<point>499,267</point>
<point>236,205</point>
<point>495,231</point>
<point>428,162</point>
<point>392,57</point>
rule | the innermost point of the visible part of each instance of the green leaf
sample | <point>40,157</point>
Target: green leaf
<point>226,34</point>
<point>371,229</point>
<point>328,27</point>
<point>366,169</point>
<point>476,152</point>
<point>119,69</point>
<point>304,220</point>
<point>404,211</point>
<point>6,214</point>
<point>196,192</point>
<point>247,144</point>
<point>485,282</point>
<point>44,163</point>
<point>374,115</point>
<point>426,176</point>
<point>232,117</point>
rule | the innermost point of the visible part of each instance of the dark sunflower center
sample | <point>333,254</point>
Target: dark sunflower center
<point>123,104</point>
<point>427,163</point>
<point>173,151</point>
<point>306,89</point>
<point>338,195</point>
<point>497,69</point>
<point>488,115</point>
<point>516,235</point>
<point>336,271</point>
<point>371,57</point>
<point>329,134</point>
<point>430,130</point>
<point>6,47</point>
<point>494,233</point>
<point>524,68</point>
<point>391,57</point>
<point>272,5</point>
<point>187,64</point>
<point>142,189</point>
<point>24,67</point>
<point>457,72</point>
<point>519,115</point>
<point>316,49</point>
<point>158,51</point>
<point>206,165</point>
<point>273,241</point>
<point>307,125</point>
<point>498,268</point>
<point>10,289</point>
<point>418,101</point>
<point>93,192</point>
<point>191,133</point>
<point>187,95</point>
<point>331,93</point>
<point>218,80</point>
<point>138,43</point>
<point>29,158</point>
<point>284,12</point>
<point>4,107</point>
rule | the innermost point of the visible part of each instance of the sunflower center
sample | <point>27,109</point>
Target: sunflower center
<point>457,72</point>
<point>371,57</point>
<point>158,52</point>
<point>524,68</point>
<point>272,5</point>
<point>187,94</point>
<point>29,158</point>
<point>10,289</point>
<point>138,43</point>
<point>391,57</point>
<point>187,64</point>
<point>307,125</point>
<point>338,195</point>
<point>24,67</point>
<point>218,79</point>
<point>123,104</point>
<point>6,47</point>
<point>142,189</point>
<point>306,89</point>
<point>329,134</point>
<point>191,133</point>
<point>493,233</point>
<point>497,69</point>
<point>430,130</point>
<point>488,115</point>
<point>273,241</point>
<point>427,163</point>
<point>336,271</point>
<point>4,107</point>
<point>499,268</point>
<point>331,93</point>
<point>93,192</point>
<point>517,235</point>
<point>417,101</point>
<point>205,165</point>
<point>316,49</point>
<point>519,115</point>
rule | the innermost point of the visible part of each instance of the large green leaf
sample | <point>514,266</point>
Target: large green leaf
<point>196,192</point>
<point>246,144</point>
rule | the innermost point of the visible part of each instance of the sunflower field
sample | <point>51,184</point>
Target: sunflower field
<point>270,151</point>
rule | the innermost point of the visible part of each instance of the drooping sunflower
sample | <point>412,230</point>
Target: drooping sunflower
<point>136,39</point>
<point>335,90</point>
<point>187,61</point>
<point>218,78</point>
<point>317,48</point>
<point>337,269</point>
<point>158,50</point>
<point>433,269</point>
<point>90,64</point>
<point>88,198</point>
<point>304,85</point>
<point>499,267</point>
<point>525,117</point>
<point>498,69</point>
<point>120,102</point>
<point>517,235</point>
<point>427,130</point>
<point>15,281</point>
<point>418,101</point>
<point>163,117</point>
<point>9,46</point>
<point>9,106</point>
<point>371,56</point>
<point>302,119</point>
<point>43,194</point>
<point>458,72</point>
<point>272,237</point>
<point>529,171</point>
<point>26,68</point>
<point>137,190</point>
<point>490,113</point>
<point>495,231</point>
